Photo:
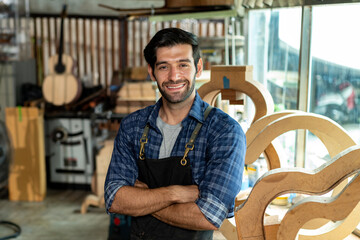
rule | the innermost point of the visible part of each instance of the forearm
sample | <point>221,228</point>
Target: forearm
<point>140,201</point>
<point>135,201</point>
<point>185,215</point>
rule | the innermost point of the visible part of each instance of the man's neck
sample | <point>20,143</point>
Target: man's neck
<point>174,113</point>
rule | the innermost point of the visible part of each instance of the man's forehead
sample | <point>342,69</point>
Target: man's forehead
<point>168,61</point>
<point>176,53</point>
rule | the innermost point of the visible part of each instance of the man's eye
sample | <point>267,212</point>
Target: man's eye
<point>162,67</point>
<point>184,65</point>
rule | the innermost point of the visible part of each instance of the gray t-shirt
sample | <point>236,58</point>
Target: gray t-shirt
<point>170,134</point>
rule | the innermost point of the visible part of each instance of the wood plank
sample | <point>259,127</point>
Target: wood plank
<point>120,44</point>
<point>77,40</point>
<point>49,35</point>
<point>198,3</point>
<point>112,45</point>
<point>85,49</point>
<point>141,41</point>
<point>106,53</point>
<point>36,52</point>
<point>42,49</point>
<point>92,69</point>
<point>98,50</point>
<point>27,177</point>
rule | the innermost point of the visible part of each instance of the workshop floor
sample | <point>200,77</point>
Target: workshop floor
<point>58,217</point>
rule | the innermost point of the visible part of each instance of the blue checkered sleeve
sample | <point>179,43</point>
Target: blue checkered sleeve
<point>224,169</point>
<point>122,169</point>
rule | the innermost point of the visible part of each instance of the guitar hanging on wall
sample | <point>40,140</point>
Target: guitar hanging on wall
<point>61,87</point>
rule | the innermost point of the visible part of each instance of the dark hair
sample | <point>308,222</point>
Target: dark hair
<point>169,37</point>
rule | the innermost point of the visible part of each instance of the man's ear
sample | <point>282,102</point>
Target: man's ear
<point>151,73</point>
<point>199,67</point>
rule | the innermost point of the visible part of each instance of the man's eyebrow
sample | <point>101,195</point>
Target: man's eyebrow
<point>185,60</point>
<point>159,63</point>
<point>181,60</point>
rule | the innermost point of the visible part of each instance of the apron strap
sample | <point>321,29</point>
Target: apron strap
<point>143,141</point>
<point>190,145</point>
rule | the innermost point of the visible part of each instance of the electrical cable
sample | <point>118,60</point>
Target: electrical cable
<point>12,225</point>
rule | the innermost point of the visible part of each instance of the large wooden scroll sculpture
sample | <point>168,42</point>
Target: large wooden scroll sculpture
<point>249,216</point>
<point>233,82</point>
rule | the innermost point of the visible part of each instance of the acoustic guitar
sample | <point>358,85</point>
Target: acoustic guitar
<point>61,87</point>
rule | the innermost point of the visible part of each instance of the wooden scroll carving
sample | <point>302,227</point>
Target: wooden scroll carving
<point>333,231</point>
<point>333,208</point>
<point>249,216</point>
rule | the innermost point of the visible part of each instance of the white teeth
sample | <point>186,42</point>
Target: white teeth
<point>176,87</point>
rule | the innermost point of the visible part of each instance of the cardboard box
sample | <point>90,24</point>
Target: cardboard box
<point>27,178</point>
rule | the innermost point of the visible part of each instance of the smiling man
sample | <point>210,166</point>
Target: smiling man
<point>176,166</point>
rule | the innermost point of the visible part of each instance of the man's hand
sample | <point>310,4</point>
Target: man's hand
<point>185,194</point>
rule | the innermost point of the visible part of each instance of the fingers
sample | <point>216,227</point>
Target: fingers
<point>186,194</point>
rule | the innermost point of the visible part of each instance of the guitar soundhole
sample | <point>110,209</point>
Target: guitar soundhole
<point>60,68</point>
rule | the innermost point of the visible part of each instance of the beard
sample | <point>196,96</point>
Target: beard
<point>178,97</point>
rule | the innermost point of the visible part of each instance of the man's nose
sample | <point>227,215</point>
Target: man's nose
<point>174,74</point>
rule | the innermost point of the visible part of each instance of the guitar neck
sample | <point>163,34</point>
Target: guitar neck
<point>60,68</point>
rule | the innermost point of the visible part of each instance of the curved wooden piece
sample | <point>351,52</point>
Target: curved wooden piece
<point>334,137</point>
<point>239,78</point>
<point>256,127</point>
<point>92,200</point>
<point>249,216</point>
<point>333,208</point>
<point>270,152</point>
<point>333,231</point>
<point>210,97</point>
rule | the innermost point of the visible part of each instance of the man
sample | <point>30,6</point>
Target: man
<point>177,165</point>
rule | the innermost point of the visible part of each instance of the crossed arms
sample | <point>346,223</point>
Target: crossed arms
<point>174,205</point>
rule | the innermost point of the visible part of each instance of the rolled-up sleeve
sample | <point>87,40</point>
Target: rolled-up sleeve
<point>224,170</point>
<point>122,169</point>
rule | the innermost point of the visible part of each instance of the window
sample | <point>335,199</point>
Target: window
<point>273,50</point>
<point>335,72</point>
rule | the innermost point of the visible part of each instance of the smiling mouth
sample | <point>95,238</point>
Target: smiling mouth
<point>176,87</point>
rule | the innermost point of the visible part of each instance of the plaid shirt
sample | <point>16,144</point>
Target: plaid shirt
<point>217,159</point>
